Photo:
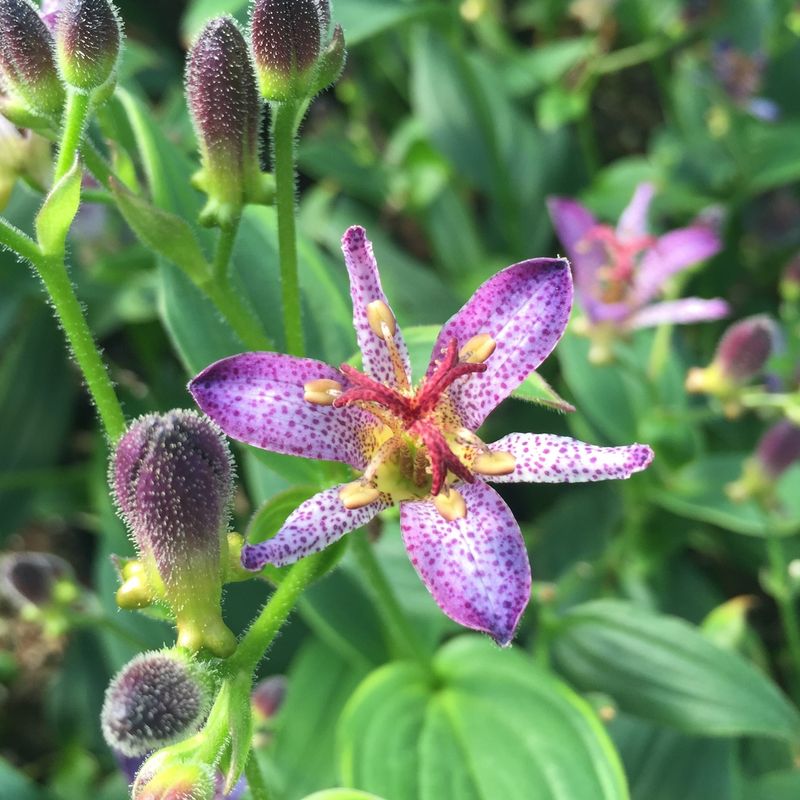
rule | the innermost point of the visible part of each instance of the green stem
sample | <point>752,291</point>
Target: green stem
<point>403,635</point>
<point>53,273</point>
<point>14,239</point>
<point>96,164</point>
<point>224,251</point>
<point>255,778</point>
<point>75,117</point>
<point>253,645</point>
<point>283,143</point>
<point>782,592</point>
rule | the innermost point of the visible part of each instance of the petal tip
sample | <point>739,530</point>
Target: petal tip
<point>254,557</point>
<point>642,456</point>
<point>354,236</point>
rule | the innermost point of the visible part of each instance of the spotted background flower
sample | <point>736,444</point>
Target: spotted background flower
<point>417,446</point>
<point>620,271</point>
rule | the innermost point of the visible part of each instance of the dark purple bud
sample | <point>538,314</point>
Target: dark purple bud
<point>268,695</point>
<point>779,448</point>
<point>27,61</point>
<point>36,579</point>
<point>156,699</point>
<point>226,111</point>
<point>88,42</point>
<point>173,480</point>
<point>287,37</point>
<point>745,349</point>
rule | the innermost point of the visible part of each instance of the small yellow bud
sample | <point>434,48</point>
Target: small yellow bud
<point>357,495</point>
<point>381,319</point>
<point>451,505</point>
<point>478,349</point>
<point>135,593</point>
<point>499,463</point>
<point>321,392</point>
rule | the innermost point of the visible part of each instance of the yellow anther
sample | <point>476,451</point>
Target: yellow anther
<point>450,505</point>
<point>321,392</point>
<point>497,463</point>
<point>358,494</point>
<point>478,349</point>
<point>381,319</point>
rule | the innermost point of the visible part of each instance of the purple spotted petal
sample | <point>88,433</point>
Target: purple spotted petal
<point>476,568</point>
<point>633,222</point>
<point>572,222</point>
<point>525,309</point>
<point>672,253</point>
<point>543,458</point>
<point>257,398</point>
<point>311,527</point>
<point>680,312</point>
<point>365,286</point>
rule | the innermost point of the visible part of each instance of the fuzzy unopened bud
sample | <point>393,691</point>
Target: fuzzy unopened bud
<point>168,779</point>
<point>288,38</point>
<point>226,112</point>
<point>36,579</point>
<point>745,348</point>
<point>28,71</point>
<point>268,696</point>
<point>172,479</point>
<point>88,43</point>
<point>156,699</point>
<point>779,448</point>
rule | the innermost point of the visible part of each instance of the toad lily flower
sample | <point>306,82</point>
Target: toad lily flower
<point>416,446</point>
<point>618,271</point>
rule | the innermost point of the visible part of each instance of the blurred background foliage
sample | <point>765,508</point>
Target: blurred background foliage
<point>452,123</point>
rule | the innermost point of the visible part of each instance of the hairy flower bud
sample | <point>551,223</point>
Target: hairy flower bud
<point>36,579</point>
<point>27,63</point>
<point>172,479</point>
<point>287,38</point>
<point>88,42</point>
<point>167,779</point>
<point>779,448</point>
<point>268,695</point>
<point>226,112</point>
<point>156,699</point>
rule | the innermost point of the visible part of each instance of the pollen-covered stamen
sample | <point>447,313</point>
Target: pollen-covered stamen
<point>358,494</point>
<point>478,349</point>
<point>368,390</point>
<point>384,325</point>
<point>441,458</point>
<point>496,463</point>
<point>451,505</point>
<point>322,392</point>
<point>449,370</point>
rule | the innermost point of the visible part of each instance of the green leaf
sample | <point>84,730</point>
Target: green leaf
<point>662,668</point>
<point>302,754</point>
<point>557,107</point>
<point>56,215</point>
<point>535,389</point>
<point>342,794</point>
<point>164,233</point>
<point>15,784</point>
<point>486,724</point>
<point>698,492</point>
<point>776,786</point>
<point>363,19</point>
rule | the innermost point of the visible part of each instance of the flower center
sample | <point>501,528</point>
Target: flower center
<point>421,446</point>
<point>615,278</point>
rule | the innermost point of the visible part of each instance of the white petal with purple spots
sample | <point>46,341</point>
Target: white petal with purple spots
<point>318,522</point>
<point>525,309</point>
<point>476,567</point>
<point>365,287</point>
<point>257,398</point>
<point>672,253</point>
<point>680,312</point>
<point>544,458</point>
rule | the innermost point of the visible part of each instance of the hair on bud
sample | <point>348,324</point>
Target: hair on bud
<point>165,778</point>
<point>156,699</point>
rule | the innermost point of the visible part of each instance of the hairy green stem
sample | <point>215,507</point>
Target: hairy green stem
<point>782,592</point>
<point>75,117</point>
<point>224,250</point>
<point>253,645</point>
<point>14,239</point>
<point>283,144</point>
<point>403,636</point>
<point>255,778</point>
<point>53,273</point>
